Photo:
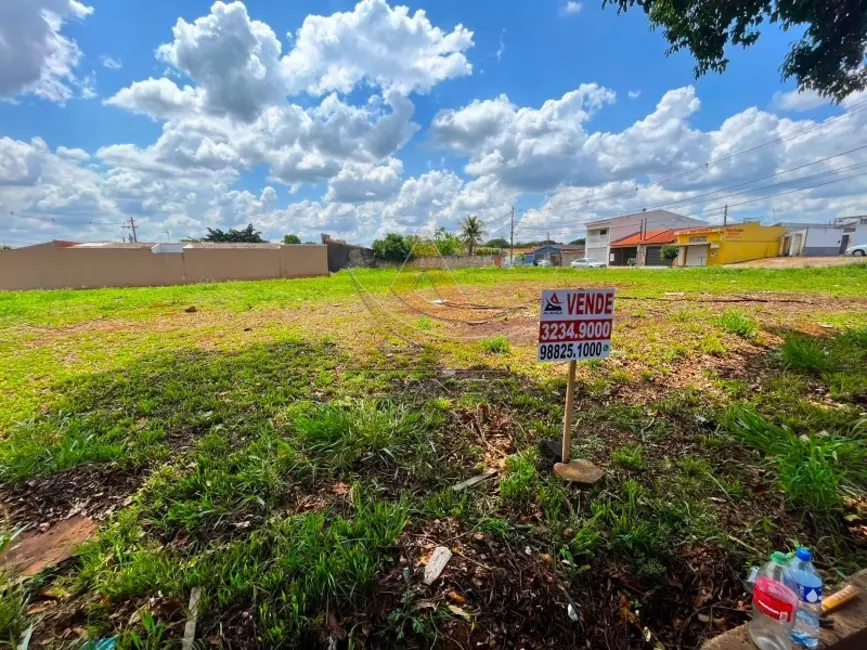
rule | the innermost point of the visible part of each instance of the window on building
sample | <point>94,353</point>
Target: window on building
<point>604,231</point>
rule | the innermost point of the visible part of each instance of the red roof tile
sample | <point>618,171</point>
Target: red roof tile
<point>651,237</point>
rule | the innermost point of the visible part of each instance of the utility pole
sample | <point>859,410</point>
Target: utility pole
<point>512,240</point>
<point>131,226</point>
<point>726,216</point>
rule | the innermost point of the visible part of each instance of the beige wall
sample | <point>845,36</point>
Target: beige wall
<point>453,262</point>
<point>47,267</point>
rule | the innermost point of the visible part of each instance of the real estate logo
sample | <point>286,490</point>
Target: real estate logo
<point>552,305</point>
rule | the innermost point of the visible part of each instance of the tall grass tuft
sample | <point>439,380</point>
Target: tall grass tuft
<point>805,354</point>
<point>496,345</point>
<point>811,468</point>
<point>734,322</point>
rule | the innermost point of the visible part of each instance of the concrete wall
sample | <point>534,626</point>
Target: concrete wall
<point>454,262</point>
<point>49,267</point>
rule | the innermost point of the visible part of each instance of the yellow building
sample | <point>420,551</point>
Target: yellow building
<point>738,242</point>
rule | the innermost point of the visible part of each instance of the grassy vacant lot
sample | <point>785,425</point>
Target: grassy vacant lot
<point>290,447</point>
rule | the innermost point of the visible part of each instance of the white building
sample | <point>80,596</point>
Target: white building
<point>601,233</point>
<point>854,230</point>
<point>812,239</point>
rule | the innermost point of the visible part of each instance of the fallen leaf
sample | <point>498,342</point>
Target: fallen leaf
<point>454,609</point>
<point>455,596</point>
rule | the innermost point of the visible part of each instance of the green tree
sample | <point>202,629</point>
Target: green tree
<point>392,248</point>
<point>670,252</point>
<point>472,231</point>
<point>828,58</point>
<point>291,239</point>
<point>578,242</point>
<point>4,247</point>
<point>499,242</point>
<point>247,235</point>
<point>448,243</point>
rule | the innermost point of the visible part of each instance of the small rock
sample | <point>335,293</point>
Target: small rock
<point>436,564</point>
<point>191,310</point>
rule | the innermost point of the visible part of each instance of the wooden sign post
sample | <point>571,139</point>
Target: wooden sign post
<point>575,325</point>
<point>566,453</point>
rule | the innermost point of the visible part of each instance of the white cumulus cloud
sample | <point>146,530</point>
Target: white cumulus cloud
<point>798,101</point>
<point>233,59</point>
<point>35,58</point>
<point>377,43</point>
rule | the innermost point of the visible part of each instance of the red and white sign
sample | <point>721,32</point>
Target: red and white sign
<point>575,324</point>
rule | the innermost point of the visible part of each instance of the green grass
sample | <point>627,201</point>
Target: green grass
<point>803,353</point>
<point>13,612</point>
<point>496,345</point>
<point>69,307</point>
<point>734,322</point>
<point>811,468</point>
<point>284,573</point>
<point>294,456</point>
<point>630,457</point>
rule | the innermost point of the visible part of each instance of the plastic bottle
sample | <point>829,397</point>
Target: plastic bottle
<point>775,604</point>
<point>809,588</point>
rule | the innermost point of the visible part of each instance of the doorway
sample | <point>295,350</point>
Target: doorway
<point>844,244</point>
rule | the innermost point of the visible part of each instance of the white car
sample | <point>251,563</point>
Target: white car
<point>858,251</point>
<point>587,263</point>
<point>543,263</point>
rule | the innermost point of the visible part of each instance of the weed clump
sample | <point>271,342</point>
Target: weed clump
<point>734,322</point>
<point>496,345</point>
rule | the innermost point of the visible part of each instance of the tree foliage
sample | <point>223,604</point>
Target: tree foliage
<point>828,58</point>
<point>4,247</point>
<point>247,235</point>
<point>472,230</point>
<point>392,248</point>
<point>291,239</point>
<point>448,243</point>
<point>670,252</point>
<point>578,242</point>
<point>499,242</point>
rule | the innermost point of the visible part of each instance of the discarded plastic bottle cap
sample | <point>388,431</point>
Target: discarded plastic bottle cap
<point>804,554</point>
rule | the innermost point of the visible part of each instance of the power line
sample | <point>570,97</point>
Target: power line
<point>65,221</point>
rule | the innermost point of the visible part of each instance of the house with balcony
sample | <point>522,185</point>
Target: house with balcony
<point>601,233</point>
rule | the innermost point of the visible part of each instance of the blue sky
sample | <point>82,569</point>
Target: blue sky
<point>362,118</point>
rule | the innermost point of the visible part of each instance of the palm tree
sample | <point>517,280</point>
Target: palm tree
<point>473,230</point>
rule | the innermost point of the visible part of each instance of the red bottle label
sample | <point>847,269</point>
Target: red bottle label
<point>774,599</point>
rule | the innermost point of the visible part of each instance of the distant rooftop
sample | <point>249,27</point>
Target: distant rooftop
<point>650,237</point>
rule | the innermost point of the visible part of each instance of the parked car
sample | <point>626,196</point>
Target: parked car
<point>542,263</point>
<point>859,250</point>
<point>587,263</point>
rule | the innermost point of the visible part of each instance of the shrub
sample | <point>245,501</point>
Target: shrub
<point>670,252</point>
